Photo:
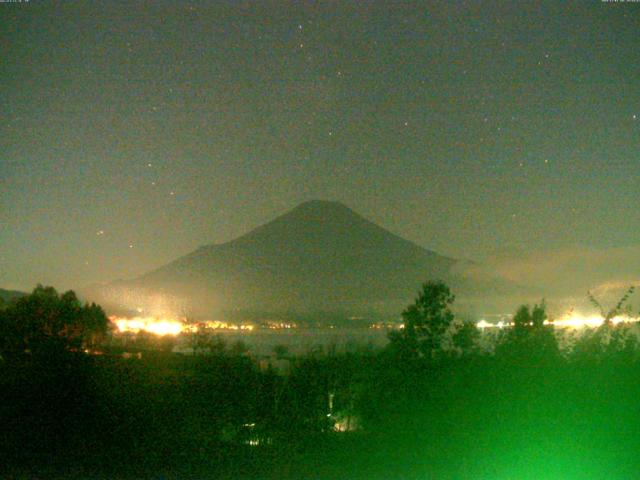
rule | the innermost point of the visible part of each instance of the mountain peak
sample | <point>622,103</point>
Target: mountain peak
<point>319,256</point>
<point>322,209</point>
<point>325,210</point>
<point>317,204</point>
<point>313,221</point>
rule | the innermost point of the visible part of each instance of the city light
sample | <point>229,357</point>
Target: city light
<point>148,324</point>
<point>573,320</point>
<point>164,326</point>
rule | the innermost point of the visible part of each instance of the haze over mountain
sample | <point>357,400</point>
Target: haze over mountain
<point>319,257</point>
<point>9,295</point>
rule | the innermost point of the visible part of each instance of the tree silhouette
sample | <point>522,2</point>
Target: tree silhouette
<point>45,321</point>
<point>618,309</point>
<point>466,337</point>
<point>426,321</point>
<point>529,337</point>
<point>608,339</point>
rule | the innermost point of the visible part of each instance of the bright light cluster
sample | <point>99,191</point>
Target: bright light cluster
<point>162,326</point>
<point>280,325</point>
<point>153,325</point>
<point>218,325</point>
<point>570,321</point>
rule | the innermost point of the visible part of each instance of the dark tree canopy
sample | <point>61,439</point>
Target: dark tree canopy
<point>427,320</point>
<point>46,320</point>
<point>529,338</point>
<point>466,337</point>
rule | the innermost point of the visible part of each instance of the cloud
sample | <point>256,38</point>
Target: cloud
<point>574,268</point>
<point>564,276</point>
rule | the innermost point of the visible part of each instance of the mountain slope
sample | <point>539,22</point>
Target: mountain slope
<point>9,295</point>
<point>319,257</point>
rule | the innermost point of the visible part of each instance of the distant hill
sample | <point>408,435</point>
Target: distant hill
<point>8,295</point>
<point>320,257</point>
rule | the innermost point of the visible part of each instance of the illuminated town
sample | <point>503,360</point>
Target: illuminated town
<point>172,326</point>
<point>320,240</point>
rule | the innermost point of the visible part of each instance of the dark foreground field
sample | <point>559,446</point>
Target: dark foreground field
<point>167,416</point>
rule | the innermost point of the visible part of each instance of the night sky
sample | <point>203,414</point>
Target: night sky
<point>133,132</point>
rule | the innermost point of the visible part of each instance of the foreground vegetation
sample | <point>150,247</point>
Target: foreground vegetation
<point>431,405</point>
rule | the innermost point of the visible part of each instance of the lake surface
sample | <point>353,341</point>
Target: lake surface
<point>304,340</point>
